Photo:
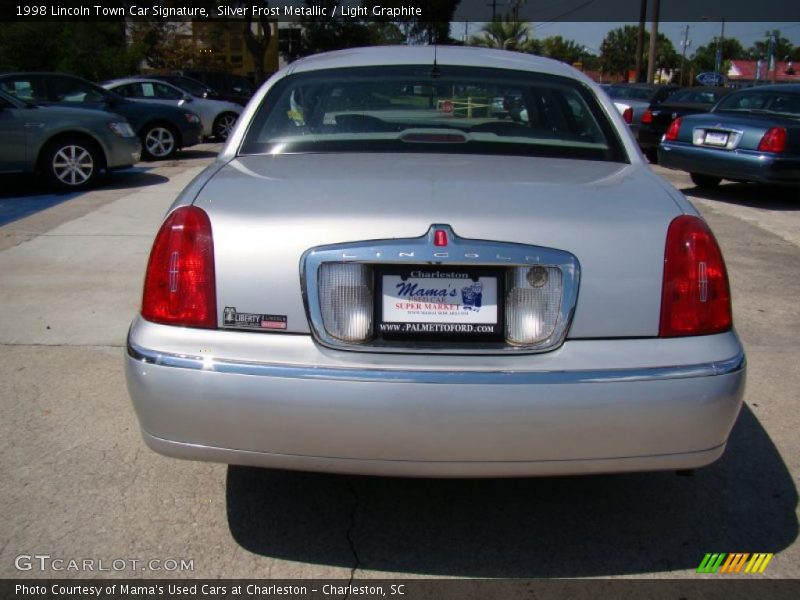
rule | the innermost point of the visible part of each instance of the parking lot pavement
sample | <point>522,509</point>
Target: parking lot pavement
<point>79,483</point>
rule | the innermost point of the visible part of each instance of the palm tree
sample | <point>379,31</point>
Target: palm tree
<point>506,34</point>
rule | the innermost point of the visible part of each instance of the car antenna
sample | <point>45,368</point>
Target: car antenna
<point>434,73</point>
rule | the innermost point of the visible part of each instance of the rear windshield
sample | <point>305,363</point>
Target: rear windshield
<point>762,101</point>
<point>442,109</point>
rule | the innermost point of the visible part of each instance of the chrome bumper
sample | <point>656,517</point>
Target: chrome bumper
<point>569,411</point>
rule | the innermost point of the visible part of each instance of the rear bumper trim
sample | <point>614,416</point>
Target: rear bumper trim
<point>288,371</point>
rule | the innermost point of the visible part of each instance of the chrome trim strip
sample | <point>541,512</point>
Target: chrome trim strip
<point>422,251</point>
<point>234,367</point>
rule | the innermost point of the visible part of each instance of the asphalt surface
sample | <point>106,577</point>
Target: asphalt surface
<point>78,483</point>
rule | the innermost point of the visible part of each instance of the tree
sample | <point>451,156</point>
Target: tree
<point>705,57</point>
<point>618,51</point>
<point>159,44</point>
<point>436,28</point>
<point>783,48</point>
<point>506,35</point>
<point>568,51</point>
<point>322,35</point>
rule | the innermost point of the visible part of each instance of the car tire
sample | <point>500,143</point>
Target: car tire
<point>223,125</point>
<point>705,181</point>
<point>72,163</point>
<point>159,141</point>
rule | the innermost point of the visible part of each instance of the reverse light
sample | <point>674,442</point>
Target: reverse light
<point>774,140</point>
<point>533,303</point>
<point>672,131</point>
<point>627,115</point>
<point>647,117</point>
<point>180,286</point>
<point>345,294</point>
<point>695,297</point>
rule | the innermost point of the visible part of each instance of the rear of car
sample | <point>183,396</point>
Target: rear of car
<point>750,135</point>
<point>657,117</point>
<point>381,275</point>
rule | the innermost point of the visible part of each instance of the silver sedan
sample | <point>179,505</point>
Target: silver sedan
<point>378,275</point>
<point>218,117</point>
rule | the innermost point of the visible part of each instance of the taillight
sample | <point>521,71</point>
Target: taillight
<point>647,117</point>
<point>179,286</point>
<point>673,129</point>
<point>627,115</point>
<point>773,141</point>
<point>695,298</point>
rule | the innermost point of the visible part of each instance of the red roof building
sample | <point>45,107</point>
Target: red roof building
<point>744,71</point>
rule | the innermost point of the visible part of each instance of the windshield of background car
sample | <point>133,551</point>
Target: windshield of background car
<point>769,101</point>
<point>463,110</point>
<point>628,92</point>
<point>696,96</point>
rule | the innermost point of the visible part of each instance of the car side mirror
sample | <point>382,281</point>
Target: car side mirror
<point>187,98</point>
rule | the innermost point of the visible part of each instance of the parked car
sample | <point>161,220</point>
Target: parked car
<point>70,146</point>
<point>163,130</point>
<point>218,117</point>
<point>632,100</point>
<point>366,282</point>
<point>750,135</point>
<point>226,86</point>
<point>657,117</point>
<point>187,84</point>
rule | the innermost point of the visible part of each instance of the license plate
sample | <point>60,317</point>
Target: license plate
<point>716,138</point>
<point>440,303</point>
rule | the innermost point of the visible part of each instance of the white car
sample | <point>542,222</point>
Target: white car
<point>218,117</point>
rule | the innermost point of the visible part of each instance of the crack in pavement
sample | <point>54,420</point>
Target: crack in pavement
<point>349,534</point>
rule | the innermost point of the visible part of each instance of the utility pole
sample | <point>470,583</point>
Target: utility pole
<point>718,61</point>
<point>640,39</point>
<point>773,48</point>
<point>651,55</point>
<point>493,4</point>
<point>686,42</point>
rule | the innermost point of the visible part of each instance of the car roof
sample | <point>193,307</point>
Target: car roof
<point>466,56</point>
<point>793,88</point>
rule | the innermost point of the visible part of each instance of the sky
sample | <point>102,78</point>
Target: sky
<point>700,33</point>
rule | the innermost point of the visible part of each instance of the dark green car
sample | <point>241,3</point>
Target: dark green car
<point>71,146</point>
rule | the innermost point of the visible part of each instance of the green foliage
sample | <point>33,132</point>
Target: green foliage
<point>96,51</point>
<point>783,49</point>
<point>505,34</point>
<point>618,51</point>
<point>568,51</point>
<point>704,59</point>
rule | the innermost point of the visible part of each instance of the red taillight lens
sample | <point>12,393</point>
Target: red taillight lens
<point>695,298</point>
<point>773,141</point>
<point>673,129</point>
<point>179,286</point>
<point>627,115</point>
<point>647,117</point>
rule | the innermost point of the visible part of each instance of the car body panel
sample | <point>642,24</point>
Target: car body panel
<point>643,404</point>
<point>272,200</point>
<point>26,130</point>
<point>612,397</point>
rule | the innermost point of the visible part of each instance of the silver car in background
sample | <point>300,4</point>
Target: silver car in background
<point>380,276</point>
<point>218,117</point>
<point>70,146</point>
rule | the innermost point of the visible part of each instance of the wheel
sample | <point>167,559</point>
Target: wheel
<point>223,125</point>
<point>72,163</point>
<point>159,141</point>
<point>705,181</point>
